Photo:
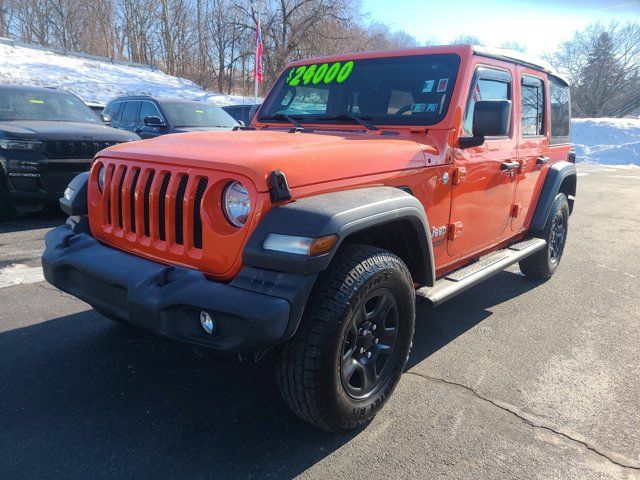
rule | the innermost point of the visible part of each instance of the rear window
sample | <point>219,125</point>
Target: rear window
<point>560,111</point>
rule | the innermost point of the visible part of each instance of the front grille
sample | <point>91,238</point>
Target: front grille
<point>61,149</point>
<point>154,204</point>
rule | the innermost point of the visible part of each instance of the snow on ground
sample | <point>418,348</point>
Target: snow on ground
<point>96,81</point>
<point>606,141</point>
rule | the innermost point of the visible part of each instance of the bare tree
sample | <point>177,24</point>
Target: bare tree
<point>603,64</point>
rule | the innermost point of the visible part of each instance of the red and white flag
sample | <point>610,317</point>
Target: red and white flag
<point>257,70</point>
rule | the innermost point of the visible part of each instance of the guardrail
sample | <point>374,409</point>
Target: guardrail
<point>71,53</point>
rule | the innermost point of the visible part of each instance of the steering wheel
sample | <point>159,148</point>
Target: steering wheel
<point>404,109</point>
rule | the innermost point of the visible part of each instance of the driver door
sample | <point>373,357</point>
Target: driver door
<point>483,189</point>
<point>148,109</point>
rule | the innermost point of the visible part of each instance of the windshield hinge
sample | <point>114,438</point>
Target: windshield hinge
<point>278,187</point>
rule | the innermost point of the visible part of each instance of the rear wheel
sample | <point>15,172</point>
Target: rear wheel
<point>353,341</point>
<point>544,263</point>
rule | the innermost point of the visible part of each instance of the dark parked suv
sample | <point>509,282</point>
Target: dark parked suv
<point>150,117</point>
<point>47,137</point>
<point>243,113</point>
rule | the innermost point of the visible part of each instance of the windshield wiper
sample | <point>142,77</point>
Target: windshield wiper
<point>293,120</point>
<point>361,119</point>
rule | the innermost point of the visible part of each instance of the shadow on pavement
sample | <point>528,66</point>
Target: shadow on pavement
<point>435,328</point>
<point>82,397</point>
<point>34,220</point>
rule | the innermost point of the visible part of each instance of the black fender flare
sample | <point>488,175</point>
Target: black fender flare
<point>559,173</point>
<point>341,213</point>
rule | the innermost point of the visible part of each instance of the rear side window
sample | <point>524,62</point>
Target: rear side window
<point>560,111</point>
<point>489,85</point>
<point>532,100</point>
<point>130,112</point>
<point>113,110</point>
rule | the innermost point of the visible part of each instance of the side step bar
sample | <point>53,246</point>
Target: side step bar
<point>462,279</point>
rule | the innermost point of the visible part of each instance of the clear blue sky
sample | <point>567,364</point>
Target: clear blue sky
<point>538,25</point>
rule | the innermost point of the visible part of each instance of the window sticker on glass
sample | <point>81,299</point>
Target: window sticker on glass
<point>314,74</point>
<point>36,101</point>
<point>428,86</point>
<point>442,85</point>
<point>432,107</point>
<point>419,107</point>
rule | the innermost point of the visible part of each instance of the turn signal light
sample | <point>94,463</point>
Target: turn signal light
<point>322,244</point>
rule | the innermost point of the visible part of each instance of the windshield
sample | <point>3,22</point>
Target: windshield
<point>17,104</point>
<point>196,114</point>
<point>409,90</point>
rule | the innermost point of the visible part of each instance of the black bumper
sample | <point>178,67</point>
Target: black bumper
<point>39,180</point>
<point>168,300</point>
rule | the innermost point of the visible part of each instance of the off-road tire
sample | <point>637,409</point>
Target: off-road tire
<point>309,365</point>
<point>544,263</point>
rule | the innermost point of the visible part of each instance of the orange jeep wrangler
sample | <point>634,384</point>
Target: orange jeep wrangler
<point>364,180</point>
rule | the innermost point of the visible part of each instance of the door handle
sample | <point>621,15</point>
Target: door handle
<point>509,165</point>
<point>542,160</point>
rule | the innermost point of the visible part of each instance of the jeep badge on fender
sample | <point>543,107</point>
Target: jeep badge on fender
<point>363,181</point>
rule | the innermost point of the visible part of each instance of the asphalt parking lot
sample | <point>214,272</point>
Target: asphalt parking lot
<point>512,379</point>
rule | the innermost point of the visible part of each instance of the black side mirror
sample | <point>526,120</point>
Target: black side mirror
<point>491,118</point>
<point>153,121</point>
<point>106,118</point>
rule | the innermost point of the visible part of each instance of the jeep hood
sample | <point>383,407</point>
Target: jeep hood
<point>305,158</point>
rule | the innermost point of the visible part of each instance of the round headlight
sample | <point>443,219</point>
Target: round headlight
<point>101,177</point>
<point>236,203</point>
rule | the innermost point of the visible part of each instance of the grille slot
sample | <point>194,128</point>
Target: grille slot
<point>132,200</point>
<point>147,190</point>
<point>162,205</point>
<point>180,209</point>
<point>120,206</point>
<point>197,218</point>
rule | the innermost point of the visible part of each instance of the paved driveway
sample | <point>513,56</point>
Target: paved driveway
<point>513,379</point>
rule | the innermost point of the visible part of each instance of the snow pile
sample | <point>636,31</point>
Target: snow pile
<point>607,141</point>
<point>96,81</point>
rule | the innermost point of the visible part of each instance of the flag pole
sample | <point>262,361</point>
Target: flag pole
<point>255,68</point>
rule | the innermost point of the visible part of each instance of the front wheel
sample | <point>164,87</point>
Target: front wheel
<point>353,341</point>
<point>544,263</point>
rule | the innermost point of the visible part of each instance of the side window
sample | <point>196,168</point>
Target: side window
<point>560,111</point>
<point>488,85</point>
<point>113,109</point>
<point>130,112</point>
<point>532,100</point>
<point>148,109</point>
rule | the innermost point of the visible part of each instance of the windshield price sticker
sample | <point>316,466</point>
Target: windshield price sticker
<point>314,74</point>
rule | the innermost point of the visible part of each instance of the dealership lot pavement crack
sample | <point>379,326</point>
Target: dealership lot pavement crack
<point>527,419</point>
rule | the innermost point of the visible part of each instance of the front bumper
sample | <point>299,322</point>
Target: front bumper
<point>166,300</point>
<point>32,178</point>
